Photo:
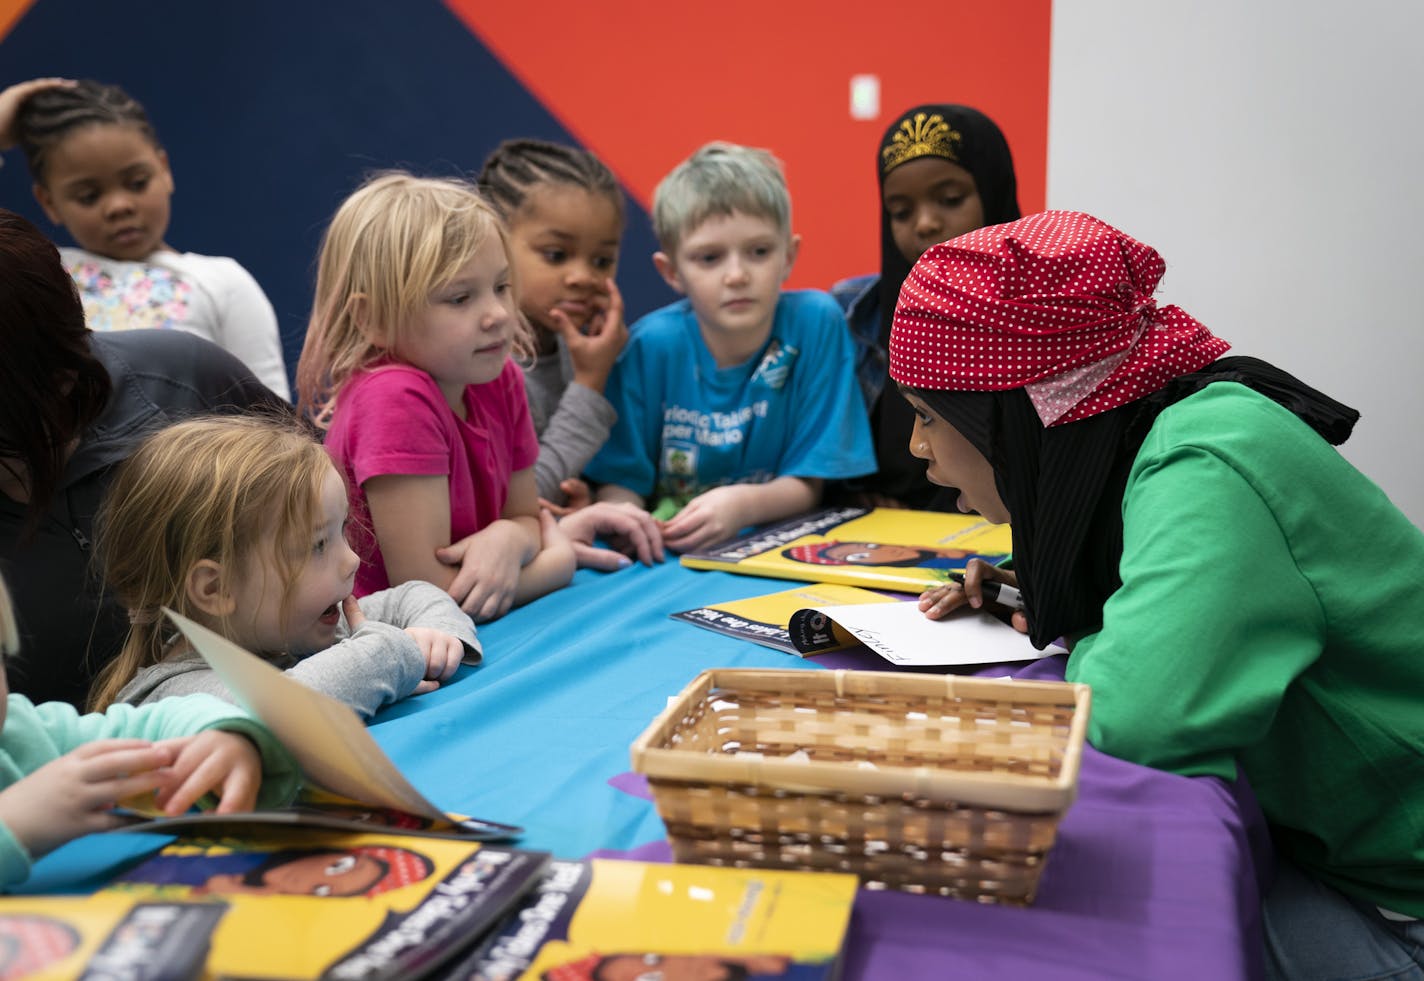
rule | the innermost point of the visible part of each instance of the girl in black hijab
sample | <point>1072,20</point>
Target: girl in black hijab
<point>943,170</point>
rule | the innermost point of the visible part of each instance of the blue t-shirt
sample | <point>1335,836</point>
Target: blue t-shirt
<point>685,425</point>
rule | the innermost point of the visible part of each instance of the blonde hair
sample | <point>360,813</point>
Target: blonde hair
<point>391,244</point>
<point>719,179</point>
<point>207,488</point>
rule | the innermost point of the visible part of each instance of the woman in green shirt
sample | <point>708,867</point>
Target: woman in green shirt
<point>1239,597</point>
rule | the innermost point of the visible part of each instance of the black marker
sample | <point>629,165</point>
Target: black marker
<point>999,593</point>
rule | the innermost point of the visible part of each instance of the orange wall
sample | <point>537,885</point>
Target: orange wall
<point>643,90</point>
<point>10,11</point>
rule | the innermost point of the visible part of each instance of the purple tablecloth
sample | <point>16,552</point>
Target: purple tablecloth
<point>1153,876</point>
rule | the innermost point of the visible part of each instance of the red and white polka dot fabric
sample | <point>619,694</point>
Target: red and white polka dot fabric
<point>1059,303</point>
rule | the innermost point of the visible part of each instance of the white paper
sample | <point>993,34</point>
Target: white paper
<point>327,738</point>
<point>902,634</point>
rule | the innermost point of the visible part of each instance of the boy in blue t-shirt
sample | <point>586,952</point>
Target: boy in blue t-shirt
<point>735,403</point>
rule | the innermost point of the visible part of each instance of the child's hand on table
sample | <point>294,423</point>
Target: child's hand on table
<point>489,562</point>
<point>710,517</point>
<point>441,652</point>
<point>630,532</point>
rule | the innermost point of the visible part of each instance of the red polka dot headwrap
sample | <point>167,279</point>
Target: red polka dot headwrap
<point>1058,303</point>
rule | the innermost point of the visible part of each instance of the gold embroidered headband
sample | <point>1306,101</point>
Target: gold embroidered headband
<point>921,135</point>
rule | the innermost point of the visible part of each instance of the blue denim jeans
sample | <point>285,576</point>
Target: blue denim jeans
<point>1316,933</point>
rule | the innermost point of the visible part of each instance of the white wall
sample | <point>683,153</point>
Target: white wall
<point>1273,152</point>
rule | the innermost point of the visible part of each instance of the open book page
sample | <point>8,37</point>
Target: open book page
<point>902,634</point>
<point>763,619</point>
<point>327,738</point>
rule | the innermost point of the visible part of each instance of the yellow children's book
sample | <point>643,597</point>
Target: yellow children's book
<point>604,919</point>
<point>877,548</point>
<point>104,936</point>
<point>334,906</point>
<point>764,619</point>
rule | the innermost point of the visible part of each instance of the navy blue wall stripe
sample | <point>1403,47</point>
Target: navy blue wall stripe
<point>273,111</point>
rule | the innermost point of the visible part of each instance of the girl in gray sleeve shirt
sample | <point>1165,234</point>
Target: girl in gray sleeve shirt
<point>239,523</point>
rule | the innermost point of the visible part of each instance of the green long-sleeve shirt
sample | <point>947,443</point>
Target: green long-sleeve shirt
<point>1271,618</point>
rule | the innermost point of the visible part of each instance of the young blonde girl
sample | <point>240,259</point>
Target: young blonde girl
<point>239,523</point>
<point>101,172</point>
<point>407,365</point>
<point>60,772</point>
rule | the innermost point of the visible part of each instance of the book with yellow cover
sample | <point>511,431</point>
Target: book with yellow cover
<point>340,906</point>
<point>603,919</point>
<point>876,548</point>
<point>105,936</point>
<point>764,619</point>
<point>308,905</point>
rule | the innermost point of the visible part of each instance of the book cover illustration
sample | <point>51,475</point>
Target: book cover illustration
<point>338,907</point>
<point>764,619</point>
<point>876,548</point>
<point>606,919</point>
<point>103,936</point>
<point>338,757</point>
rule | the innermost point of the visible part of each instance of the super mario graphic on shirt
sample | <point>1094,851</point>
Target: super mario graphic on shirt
<point>687,430</point>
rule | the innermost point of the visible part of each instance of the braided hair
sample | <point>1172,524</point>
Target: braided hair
<point>48,116</point>
<point>518,167</point>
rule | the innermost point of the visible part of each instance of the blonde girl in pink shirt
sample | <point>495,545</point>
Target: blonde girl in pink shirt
<point>407,366</point>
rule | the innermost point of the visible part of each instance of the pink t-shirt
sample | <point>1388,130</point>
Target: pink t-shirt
<point>393,419</point>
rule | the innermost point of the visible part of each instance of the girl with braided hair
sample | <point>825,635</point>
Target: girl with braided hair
<point>564,210</point>
<point>101,172</point>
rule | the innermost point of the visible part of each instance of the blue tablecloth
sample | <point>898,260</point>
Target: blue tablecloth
<point>1153,876</point>
<point>532,736</point>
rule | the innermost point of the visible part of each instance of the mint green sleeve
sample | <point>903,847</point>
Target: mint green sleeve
<point>170,718</point>
<point>14,859</point>
<point>1213,620</point>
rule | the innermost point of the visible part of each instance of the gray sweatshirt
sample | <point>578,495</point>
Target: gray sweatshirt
<point>374,666</point>
<point>572,420</point>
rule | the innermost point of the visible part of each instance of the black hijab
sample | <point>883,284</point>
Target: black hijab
<point>1063,485</point>
<point>983,152</point>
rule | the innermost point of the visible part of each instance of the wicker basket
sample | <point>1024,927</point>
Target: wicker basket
<point>926,783</point>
